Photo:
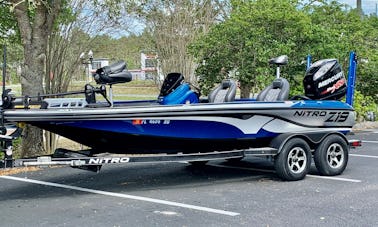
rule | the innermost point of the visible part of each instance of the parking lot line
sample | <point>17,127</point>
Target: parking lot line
<point>146,199</point>
<point>369,141</point>
<point>364,156</point>
<point>272,171</point>
<point>334,178</point>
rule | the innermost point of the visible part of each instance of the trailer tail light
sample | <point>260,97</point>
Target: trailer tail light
<point>355,143</point>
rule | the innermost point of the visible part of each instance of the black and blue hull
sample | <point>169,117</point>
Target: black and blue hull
<point>189,128</point>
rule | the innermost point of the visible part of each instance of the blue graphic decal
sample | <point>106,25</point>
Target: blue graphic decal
<point>170,128</point>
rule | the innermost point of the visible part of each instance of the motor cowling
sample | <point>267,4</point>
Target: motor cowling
<point>325,80</point>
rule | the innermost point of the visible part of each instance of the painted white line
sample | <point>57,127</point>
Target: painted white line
<point>272,171</point>
<point>364,156</point>
<point>369,141</point>
<point>146,199</point>
<point>334,178</point>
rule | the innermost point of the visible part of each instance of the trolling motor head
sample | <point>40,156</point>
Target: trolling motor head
<point>113,74</point>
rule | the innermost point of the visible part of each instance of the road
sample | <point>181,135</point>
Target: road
<point>178,194</point>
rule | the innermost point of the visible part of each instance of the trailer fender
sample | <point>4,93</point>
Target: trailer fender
<point>313,139</point>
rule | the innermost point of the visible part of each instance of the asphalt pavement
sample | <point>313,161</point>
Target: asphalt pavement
<point>177,194</point>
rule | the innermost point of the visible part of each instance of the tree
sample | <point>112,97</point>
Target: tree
<point>367,50</point>
<point>8,25</point>
<point>76,30</point>
<point>10,37</point>
<point>261,29</point>
<point>255,32</point>
<point>35,20</point>
<point>338,29</point>
<point>174,25</point>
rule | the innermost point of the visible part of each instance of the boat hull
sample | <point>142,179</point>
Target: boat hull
<point>189,128</point>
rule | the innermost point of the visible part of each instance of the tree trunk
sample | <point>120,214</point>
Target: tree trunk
<point>31,84</point>
<point>32,144</point>
<point>245,90</point>
<point>34,31</point>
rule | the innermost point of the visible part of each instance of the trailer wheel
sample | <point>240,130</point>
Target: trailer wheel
<point>294,160</point>
<point>331,156</point>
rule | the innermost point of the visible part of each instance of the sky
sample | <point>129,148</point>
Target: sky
<point>368,6</point>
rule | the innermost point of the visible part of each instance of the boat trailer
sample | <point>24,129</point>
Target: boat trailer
<point>81,160</point>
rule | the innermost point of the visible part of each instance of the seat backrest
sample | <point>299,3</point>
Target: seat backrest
<point>224,92</point>
<point>277,91</point>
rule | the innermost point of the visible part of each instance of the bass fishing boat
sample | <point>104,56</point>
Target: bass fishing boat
<point>179,122</point>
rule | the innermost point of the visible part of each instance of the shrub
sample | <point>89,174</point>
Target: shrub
<point>364,104</point>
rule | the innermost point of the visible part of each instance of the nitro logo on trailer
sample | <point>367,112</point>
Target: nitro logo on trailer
<point>330,80</point>
<point>108,160</point>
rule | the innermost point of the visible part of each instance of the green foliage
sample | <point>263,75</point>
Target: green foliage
<point>259,30</point>
<point>9,32</point>
<point>125,48</point>
<point>255,32</point>
<point>363,105</point>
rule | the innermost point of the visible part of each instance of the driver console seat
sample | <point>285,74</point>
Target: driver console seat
<point>224,92</point>
<point>277,91</point>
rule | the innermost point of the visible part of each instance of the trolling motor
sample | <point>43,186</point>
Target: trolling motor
<point>112,74</point>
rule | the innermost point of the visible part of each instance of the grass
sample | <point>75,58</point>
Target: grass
<point>134,90</point>
<point>12,171</point>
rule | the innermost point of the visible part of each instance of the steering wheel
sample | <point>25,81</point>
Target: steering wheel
<point>197,89</point>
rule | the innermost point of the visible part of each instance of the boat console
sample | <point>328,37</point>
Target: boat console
<point>176,91</point>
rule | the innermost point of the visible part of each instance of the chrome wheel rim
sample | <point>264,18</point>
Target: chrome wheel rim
<point>335,155</point>
<point>297,160</point>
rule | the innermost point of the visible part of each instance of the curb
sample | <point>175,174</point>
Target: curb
<point>365,125</point>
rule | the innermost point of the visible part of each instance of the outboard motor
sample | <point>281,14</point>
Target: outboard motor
<point>175,91</point>
<point>325,80</point>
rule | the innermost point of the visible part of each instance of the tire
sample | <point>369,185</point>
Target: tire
<point>331,156</point>
<point>294,160</point>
